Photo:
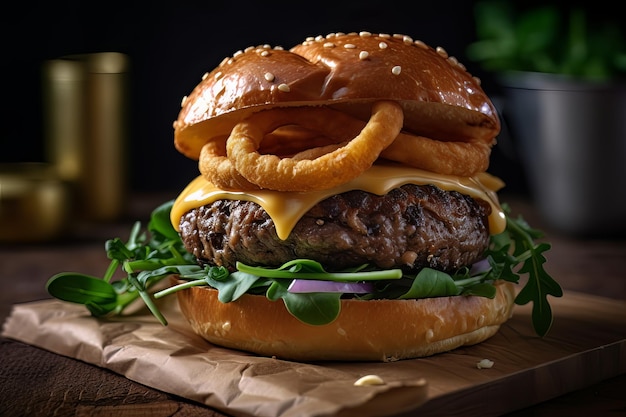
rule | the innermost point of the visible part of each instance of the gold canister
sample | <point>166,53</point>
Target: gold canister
<point>86,127</point>
<point>35,204</point>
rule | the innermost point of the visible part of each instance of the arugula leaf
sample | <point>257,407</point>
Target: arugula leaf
<point>540,284</point>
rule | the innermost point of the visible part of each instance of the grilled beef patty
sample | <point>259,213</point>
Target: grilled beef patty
<point>410,227</point>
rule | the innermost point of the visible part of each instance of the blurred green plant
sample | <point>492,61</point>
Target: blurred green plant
<point>544,39</point>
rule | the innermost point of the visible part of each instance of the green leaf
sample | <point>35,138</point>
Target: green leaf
<point>116,249</point>
<point>431,283</point>
<point>482,289</point>
<point>237,284</point>
<point>160,221</point>
<point>540,284</point>
<point>542,39</point>
<point>316,309</point>
<point>308,269</point>
<point>77,288</point>
<point>146,258</point>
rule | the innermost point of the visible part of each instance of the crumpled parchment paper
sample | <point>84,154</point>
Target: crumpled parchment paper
<point>175,360</point>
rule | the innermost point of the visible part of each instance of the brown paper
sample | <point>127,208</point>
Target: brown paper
<point>174,360</point>
<point>588,336</point>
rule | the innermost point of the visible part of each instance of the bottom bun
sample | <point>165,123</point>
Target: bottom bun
<point>374,330</point>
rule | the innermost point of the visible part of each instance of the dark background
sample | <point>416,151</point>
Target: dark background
<point>170,46</point>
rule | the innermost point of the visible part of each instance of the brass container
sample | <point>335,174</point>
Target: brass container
<point>86,129</point>
<point>35,203</point>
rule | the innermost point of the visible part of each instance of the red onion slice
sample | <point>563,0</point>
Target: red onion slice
<point>313,285</point>
<point>479,267</point>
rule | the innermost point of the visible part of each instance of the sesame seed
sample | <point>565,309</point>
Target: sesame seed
<point>279,48</point>
<point>265,53</point>
<point>248,49</point>
<point>269,76</point>
<point>309,39</point>
<point>182,102</point>
<point>430,334</point>
<point>349,46</point>
<point>455,62</point>
<point>396,70</point>
<point>421,44</point>
<point>365,34</point>
<point>284,88</point>
<point>329,45</point>
<point>442,52</point>
<point>384,35</point>
<point>236,54</point>
<point>382,45</point>
<point>206,74</point>
<point>363,55</point>
<point>319,38</point>
<point>477,80</point>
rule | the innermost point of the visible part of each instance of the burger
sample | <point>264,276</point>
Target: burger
<point>342,209</point>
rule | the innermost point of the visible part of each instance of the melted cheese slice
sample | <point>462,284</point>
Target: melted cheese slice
<point>286,208</point>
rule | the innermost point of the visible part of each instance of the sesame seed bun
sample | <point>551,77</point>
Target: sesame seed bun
<point>441,100</point>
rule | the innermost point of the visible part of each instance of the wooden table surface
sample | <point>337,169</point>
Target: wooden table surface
<point>34,382</point>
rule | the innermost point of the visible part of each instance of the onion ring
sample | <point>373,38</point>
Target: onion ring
<point>326,171</point>
<point>217,168</point>
<point>286,141</point>
<point>462,159</point>
<point>316,152</point>
<point>293,139</point>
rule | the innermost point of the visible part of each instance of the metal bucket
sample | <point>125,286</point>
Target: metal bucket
<point>571,137</point>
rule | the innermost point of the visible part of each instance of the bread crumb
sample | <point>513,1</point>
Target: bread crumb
<point>369,380</point>
<point>484,364</point>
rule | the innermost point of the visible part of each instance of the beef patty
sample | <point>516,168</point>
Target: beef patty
<point>410,227</point>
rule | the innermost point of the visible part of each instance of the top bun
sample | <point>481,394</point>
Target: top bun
<point>441,100</point>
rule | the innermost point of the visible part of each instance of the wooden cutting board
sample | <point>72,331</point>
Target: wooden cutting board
<point>586,345</point>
